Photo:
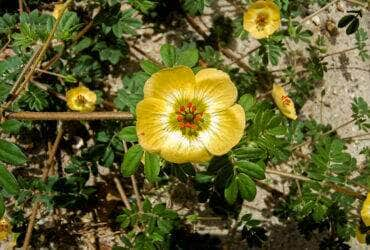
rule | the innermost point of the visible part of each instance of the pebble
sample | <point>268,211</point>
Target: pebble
<point>316,20</point>
<point>340,6</point>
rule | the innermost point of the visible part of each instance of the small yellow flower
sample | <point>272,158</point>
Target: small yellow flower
<point>189,118</point>
<point>365,211</point>
<point>81,99</point>
<point>5,229</point>
<point>283,101</point>
<point>58,10</point>
<point>262,19</point>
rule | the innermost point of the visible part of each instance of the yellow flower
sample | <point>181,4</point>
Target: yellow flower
<point>57,10</point>
<point>365,211</point>
<point>5,229</point>
<point>189,118</point>
<point>262,19</point>
<point>81,99</point>
<point>284,103</point>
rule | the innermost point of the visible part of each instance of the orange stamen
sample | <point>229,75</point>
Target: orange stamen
<point>182,108</point>
<point>180,118</point>
<point>189,105</point>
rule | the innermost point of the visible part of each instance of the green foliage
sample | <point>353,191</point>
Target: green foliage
<point>187,55</point>
<point>11,153</point>
<point>361,38</point>
<point>128,134</point>
<point>7,23</point>
<point>156,223</point>
<point>131,160</point>
<point>271,51</point>
<point>8,181</point>
<point>194,7</point>
<point>211,57</point>
<point>238,28</point>
<point>143,5</point>
<point>132,92</point>
<point>254,234</point>
<point>361,113</point>
<point>34,99</point>
<point>151,166</point>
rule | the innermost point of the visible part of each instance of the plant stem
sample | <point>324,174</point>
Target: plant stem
<point>36,205</point>
<point>342,51</point>
<point>137,194</point>
<point>355,136</point>
<point>225,51</point>
<point>20,4</point>
<point>142,52</point>
<point>122,192</point>
<point>357,2</point>
<point>339,127</point>
<point>303,178</point>
<point>69,116</point>
<point>50,73</point>
<point>319,11</point>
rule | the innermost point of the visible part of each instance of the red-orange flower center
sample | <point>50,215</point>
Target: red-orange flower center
<point>188,117</point>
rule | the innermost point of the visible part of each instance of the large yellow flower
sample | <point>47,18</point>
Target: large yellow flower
<point>365,211</point>
<point>188,118</point>
<point>283,101</point>
<point>262,19</point>
<point>81,99</point>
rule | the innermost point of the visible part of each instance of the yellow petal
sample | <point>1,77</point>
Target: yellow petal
<point>215,88</point>
<point>225,130</point>
<point>180,149</point>
<point>365,211</point>
<point>171,84</point>
<point>152,120</point>
<point>5,229</point>
<point>58,10</point>
<point>361,238</point>
<point>81,99</point>
<point>262,10</point>
<point>283,102</point>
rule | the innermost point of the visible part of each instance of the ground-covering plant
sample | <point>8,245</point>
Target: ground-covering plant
<point>186,140</point>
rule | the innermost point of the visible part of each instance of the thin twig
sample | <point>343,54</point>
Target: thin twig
<point>83,31</point>
<point>303,178</point>
<point>357,2</point>
<point>318,11</point>
<point>122,192</point>
<point>137,194</point>
<point>69,116</point>
<point>342,51</point>
<point>227,52</point>
<point>339,127</point>
<point>355,136</point>
<point>5,46</point>
<point>142,52</point>
<point>36,205</point>
<point>20,4</point>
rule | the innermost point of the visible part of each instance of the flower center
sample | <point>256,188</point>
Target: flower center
<point>81,100</point>
<point>286,100</point>
<point>189,118</point>
<point>261,21</point>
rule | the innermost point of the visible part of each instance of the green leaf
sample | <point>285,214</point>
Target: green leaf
<point>247,101</point>
<point>149,67</point>
<point>11,153</point>
<point>83,44</point>
<point>8,181</point>
<point>131,160</point>
<point>151,167</point>
<point>194,7</point>
<point>231,191</point>
<point>11,126</point>
<point>344,21</point>
<point>252,169</point>
<point>353,26</point>
<point>246,186</point>
<point>168,54</point>
<point>34,99</point>
<point>188,57</point>
<point>128,134</point>
<point>2,206</point>
<point>142,5</point>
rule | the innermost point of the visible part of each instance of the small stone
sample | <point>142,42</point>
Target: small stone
<point>316,20</point>
<point>340,6</point>
<point>331,27</point>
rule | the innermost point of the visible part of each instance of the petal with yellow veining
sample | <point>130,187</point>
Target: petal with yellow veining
<point>171,84</point>
<point>215,88</point>
<point>180,149</point>
<point>225,130</point>
<point>152,120</point>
